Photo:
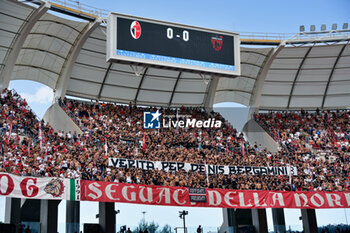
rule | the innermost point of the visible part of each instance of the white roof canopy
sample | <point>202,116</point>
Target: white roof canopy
<point>241,89</point>
<point>70,57</point>
<point>308,77</point>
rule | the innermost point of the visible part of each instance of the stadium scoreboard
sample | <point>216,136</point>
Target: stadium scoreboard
<point>146,41</point>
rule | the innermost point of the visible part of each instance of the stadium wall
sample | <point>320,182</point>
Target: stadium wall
<point>255,133</point>
<point>59,120</point>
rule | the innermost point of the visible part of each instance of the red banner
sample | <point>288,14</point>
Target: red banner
<point>179,196</point>
<point>55,188</point>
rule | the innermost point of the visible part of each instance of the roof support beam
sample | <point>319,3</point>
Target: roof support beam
<point>209,99</point>
<point>250,63</point>
<point>8,31</point>
<point>37,67</point>
<point>248,77</point>
<point>234,90</point>
<point>44,51</point>
<point>104,80</point>
<point>140,84</point>
<point>17,43</point>
<point>331,74</point>
<point>15,17</point>
<point>175,86</point>
<point>51,36</point>
<point>63,80</point>
<point>297,75</point>
<point>255,52</point>
<point>60,23</point>
<point>260,80</point>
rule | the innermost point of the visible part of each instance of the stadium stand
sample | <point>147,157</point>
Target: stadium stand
<point>319,138</point>
<point>307,70</point>
<point>112,130</point>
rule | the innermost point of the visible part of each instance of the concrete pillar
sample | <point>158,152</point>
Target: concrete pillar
<point>211,91</point>
<point>309,220</point>
<point>259,220</point>
<point>279,224</point>
<point>107,216</point>
<point>49,216</point>
<point>13,211</point>
<point>235,219</point>
<point>30,210</point>
<point>72,216</point>
<point>229,225</point>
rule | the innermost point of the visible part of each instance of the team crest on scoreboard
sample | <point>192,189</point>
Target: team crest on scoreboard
<point>217,42</point>
<point>55,187</point>
<point>135,30</point>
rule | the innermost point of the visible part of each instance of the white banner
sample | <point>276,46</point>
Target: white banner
<point>33,187</point>
<point>204,168</point>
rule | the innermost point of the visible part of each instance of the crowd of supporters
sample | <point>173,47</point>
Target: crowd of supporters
<point>320,130</point>
<point>30,147</point>
<point>320,138</point>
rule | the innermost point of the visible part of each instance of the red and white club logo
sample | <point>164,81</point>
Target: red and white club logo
<point>217,42</point>
<point>135,29</point>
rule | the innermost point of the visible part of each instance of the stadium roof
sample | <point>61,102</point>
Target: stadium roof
<point>70,57</point>
<point>308,77</point>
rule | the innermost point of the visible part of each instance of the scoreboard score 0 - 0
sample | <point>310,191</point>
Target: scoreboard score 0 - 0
<point>146,41</point>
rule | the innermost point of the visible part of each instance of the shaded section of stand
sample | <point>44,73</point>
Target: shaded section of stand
<point>309,220</point>
<point>106,216</point>
<point>279,223</point>
<point>13,212</point>
<point>48,216</point>
<point>72,216</point>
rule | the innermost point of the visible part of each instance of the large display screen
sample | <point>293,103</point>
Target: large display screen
<point>165,44</point>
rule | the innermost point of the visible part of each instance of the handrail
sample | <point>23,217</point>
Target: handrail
<point>80,8</point>
<point>265,36</point>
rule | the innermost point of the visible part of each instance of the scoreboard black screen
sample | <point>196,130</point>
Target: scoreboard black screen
<point>173,45</point>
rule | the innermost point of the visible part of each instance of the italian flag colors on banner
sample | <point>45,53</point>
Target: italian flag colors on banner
<point>74,190</point>
<point>51,188</point>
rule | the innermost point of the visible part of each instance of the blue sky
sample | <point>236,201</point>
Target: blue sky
<point>278,16</point>
<point>242,16</point>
